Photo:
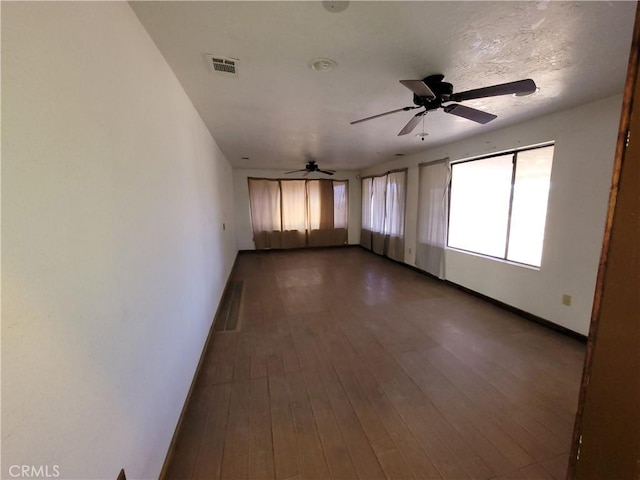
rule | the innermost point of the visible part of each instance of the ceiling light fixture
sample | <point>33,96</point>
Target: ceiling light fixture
<point>335,7</point>
<point>423,134</point>
<point>323,65</point>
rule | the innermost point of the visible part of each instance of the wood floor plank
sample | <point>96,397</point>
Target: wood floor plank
<point>209,460</point>
<point>393,465</point>
<point>401,392</point>
<point>360,449</point>
<point>349,366</point>
<point>514,387</point>
<point>261,461</point>
<point>333,444</point>
<point>415,457</point>
<point>307,349</point>
<point>218,363</point>
<point>557,467</point>
<point>369,420</point>
<point>311,456</point>
<point>470,402</point>
<point>236,447</point>
<point>285,449</point>
<point>235,468</point>
<point>242,365</point>
<point>468,421</point>
<point>184,457</point>
<point>536,472</point>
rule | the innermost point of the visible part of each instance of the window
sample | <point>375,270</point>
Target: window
<point>498,204</point>
<point>298,213</point>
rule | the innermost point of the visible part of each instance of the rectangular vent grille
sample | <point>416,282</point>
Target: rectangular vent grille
<point>229,310</point>
<point>223,64</point>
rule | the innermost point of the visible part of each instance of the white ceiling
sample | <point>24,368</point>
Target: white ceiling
<point>279,112</point>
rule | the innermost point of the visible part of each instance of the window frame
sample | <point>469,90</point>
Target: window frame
<point>514,152</point>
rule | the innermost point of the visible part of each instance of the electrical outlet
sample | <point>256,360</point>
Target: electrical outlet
<point>566,299</point>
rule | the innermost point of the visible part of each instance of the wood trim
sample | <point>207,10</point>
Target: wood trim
<point>505,306</point>
<point>621,145</point>
<point>521,313</point>
<point>267,250</point>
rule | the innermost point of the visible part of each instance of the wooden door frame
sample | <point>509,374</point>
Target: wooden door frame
<point>629,98</point>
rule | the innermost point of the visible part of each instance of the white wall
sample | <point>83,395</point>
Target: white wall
<point>243,209</point>
<point>585,139</point>
<point>114,255</point>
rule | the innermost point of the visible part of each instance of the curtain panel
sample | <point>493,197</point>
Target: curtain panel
<point>365,231</point>
<point>378,210</point>
<point>433,212</point>
<point>298,213</point>
<point>383,214</point>
<point>394,215</point>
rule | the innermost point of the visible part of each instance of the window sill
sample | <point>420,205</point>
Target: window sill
<point>495,259</point>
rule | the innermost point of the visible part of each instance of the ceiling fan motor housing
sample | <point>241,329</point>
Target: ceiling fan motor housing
<point>439,88</point>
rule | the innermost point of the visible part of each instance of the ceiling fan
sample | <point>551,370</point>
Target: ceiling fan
<point>431,92</point>
<point>312,166</point>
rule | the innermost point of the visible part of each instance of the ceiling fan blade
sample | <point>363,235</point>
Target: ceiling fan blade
<point>327,172</point>
<point>408,128</point>
<point>470,113</point>
<point>383,114</point>
<point>296,171</point>
<point>520,87</point>
<point>419,88</point>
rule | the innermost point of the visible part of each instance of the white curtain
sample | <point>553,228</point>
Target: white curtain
<point>298,213</point>
<point>394,215</point>
<point>383,212</point>
<point>340,204</point>
<point>294,218</point>
<point>322,203</point>
<point>293,205</point>
<point>264,199</point>
<point>433,201</point>
<point>378,209</point>
<point>365,231</point>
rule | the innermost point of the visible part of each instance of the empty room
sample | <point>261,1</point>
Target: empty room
<point>319,240</point>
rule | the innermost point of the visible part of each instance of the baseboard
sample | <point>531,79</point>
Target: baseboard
<point>266,250</point>
<point>176,432</point>
<point>505,306</point>
<point>521,313</point>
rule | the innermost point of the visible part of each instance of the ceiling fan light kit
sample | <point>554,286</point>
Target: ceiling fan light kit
<point>432,93</point>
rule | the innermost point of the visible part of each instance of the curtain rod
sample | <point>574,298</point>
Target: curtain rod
<point>385,173</point>
<point>440,160</point>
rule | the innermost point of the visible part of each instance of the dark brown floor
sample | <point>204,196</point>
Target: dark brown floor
<point>348,365</point>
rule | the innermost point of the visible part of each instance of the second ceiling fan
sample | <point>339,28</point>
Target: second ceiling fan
<point>431,92</point>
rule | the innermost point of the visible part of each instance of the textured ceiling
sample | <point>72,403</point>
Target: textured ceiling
<point>279,112</point>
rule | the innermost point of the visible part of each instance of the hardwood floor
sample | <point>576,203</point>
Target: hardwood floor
<point>348,365</point>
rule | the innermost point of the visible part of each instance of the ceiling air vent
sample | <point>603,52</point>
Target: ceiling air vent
<point>223,64</point>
